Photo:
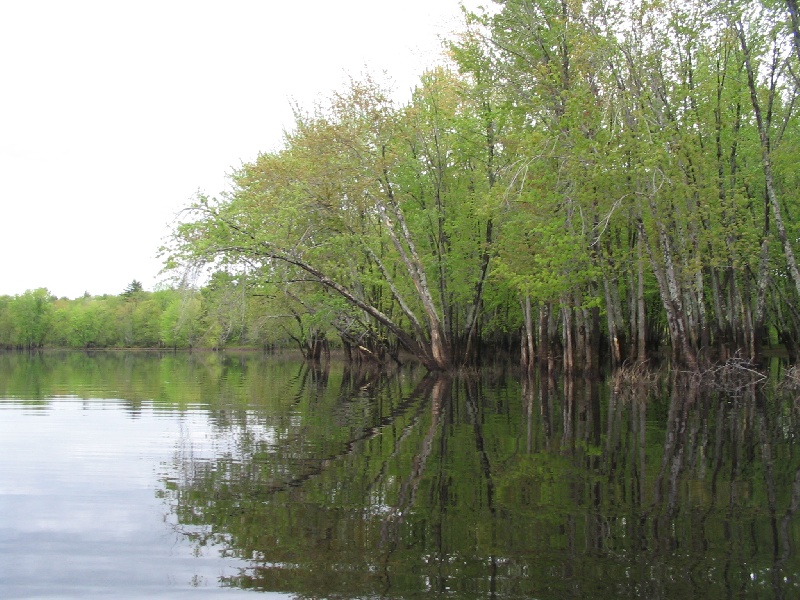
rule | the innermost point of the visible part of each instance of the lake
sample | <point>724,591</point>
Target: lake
<point>133,475</point>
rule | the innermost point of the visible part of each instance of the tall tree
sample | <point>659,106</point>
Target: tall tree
<point>31,317</point>
<point>385,207</point>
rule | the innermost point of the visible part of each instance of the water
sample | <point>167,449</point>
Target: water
<point>137,475</point>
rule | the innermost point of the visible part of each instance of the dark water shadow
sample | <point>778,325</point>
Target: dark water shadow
<point>544,486</point>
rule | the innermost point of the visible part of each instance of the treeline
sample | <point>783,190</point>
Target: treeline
<point>595,178</point>
<point>580,180</point>
<point>214,316</point>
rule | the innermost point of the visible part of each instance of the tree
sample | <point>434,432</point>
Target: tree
<point>596,174</point>
<point>134,287</point>
<point>31,317</point>
<point>363,203</point>
<point>181,319</point>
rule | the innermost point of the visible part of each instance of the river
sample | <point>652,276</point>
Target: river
<point>167,476</point>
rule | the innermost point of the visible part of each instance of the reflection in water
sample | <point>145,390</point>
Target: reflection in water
<point>330,482</point>
<point>361,484</point>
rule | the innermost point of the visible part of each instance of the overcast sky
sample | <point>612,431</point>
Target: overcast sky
<point>114,113</point>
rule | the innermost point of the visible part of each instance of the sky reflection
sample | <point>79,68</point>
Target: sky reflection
<point>79,514</point>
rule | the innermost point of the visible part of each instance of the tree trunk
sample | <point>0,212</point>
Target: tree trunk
<point>641,313</point>
<point>766,161</point>
<point>613,333</point>
<point>545,346</point>
<point>528,341</point>
<point>671,299</point>
<point>567,333</point>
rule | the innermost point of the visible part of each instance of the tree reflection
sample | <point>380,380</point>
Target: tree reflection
<point>399,485</point>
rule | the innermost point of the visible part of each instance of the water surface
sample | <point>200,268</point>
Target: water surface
<point>138,475</point>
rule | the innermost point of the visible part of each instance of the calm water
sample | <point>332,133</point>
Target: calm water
<point>136,475</point>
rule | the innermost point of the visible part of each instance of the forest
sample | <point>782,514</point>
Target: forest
<point>214,317</point>
<point>577,182</point>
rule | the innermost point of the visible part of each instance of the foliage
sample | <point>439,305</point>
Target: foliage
<point>29,317</point>
<point>582,160</point>
<point>579,179</point>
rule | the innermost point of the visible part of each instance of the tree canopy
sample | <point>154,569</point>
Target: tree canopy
<point>576,180</point>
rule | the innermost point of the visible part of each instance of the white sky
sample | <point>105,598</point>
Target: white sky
<point>113,113</point>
